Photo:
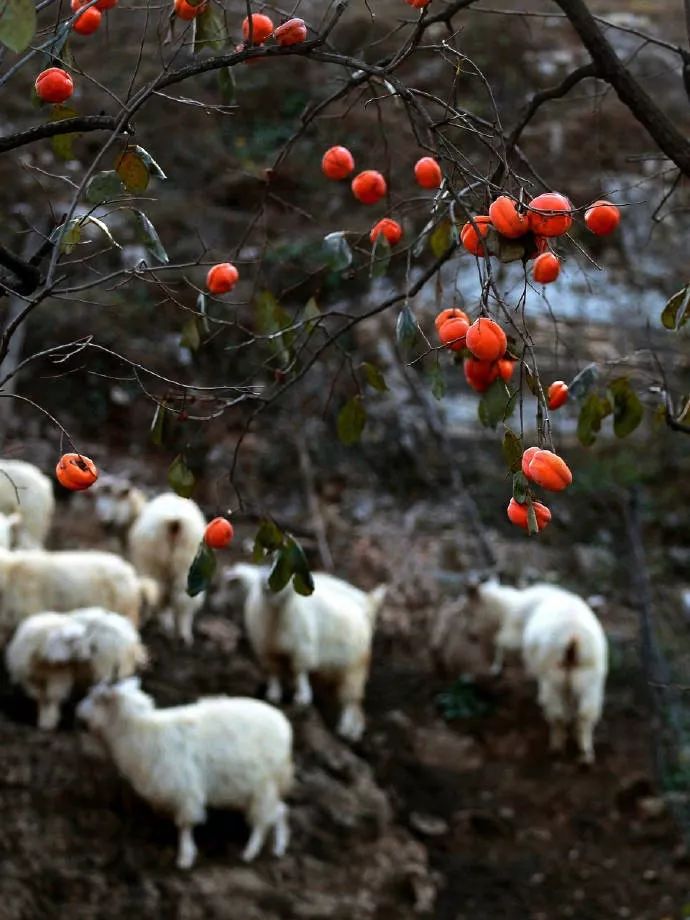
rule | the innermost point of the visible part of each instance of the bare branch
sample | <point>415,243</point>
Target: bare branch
<point>81,123</point>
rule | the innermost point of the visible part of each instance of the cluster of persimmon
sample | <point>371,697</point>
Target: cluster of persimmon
<point>76,472</point>
<point>545,469</point>
<point>544,218</point>
<point>484,340</point>
<point>370,186</point>
<point>89,19</point>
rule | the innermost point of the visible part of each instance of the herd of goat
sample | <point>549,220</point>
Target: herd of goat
<point>70,621</point>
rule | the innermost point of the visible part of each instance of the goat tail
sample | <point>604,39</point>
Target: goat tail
<point>376,599</point>
<point>571,657</point>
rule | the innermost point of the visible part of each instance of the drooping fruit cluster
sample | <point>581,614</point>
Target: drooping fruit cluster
<point>483,339</point>
<point>90,19</point>
<point>545,217</point>
<point>545,469</point>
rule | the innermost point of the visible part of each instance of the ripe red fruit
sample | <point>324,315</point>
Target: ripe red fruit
<point>550,214</point>
<point>480,374</point>
<point>54,85</point>
<point>469,238</point>
<point>505,367</point>
<point>447,314</point>
<point>337,163</point>
<point>517,514</point>
<point>486,340</point>
<point>452,333</point>
<point>219,532</point>
<point>418,4</point>
<point>292,32</point>
<point>527,458</point>
<point>546,268</point>
<point>427,172</point>
<point>101,5</point>
<point>508,222</point>
<point>369,186</point>
<point>88,21</point>
<point>76,472</point>
<point>602,217</point>
<point>549,471</point>
<point>557,394</point>
<point>222,278</point>
<point>262,28</point>
<point>188,11</point>
<point>390,229</point>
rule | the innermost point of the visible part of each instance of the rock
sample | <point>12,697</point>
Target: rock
<point>445,749</point>
<point>594,561</point>
<point>650,875</point>
<point>651,807</point>
<point>428,825</point>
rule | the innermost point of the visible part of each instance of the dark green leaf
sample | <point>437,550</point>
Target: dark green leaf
<point>493,404</point>
<point>532,381</point>
<point>406,329</point>
<point>17,23</point>
<point>380,257</point>
<point>438,382</point>
<point>158,425</point>
<point>337,251</point>
<point>147,235</point>
<point>202,308</point>
<point>310,314</point>
<point>627,408</point>
<point>180,477</point>
<point>62,144</point>
<point>583,382</point>
<point>512,450</point>
<point>226,84</point>
<point>441,238</point>
<point>210,30</point>
<point>351,421</point>
<point>272,319</point>
<point>677,311</point>
<point>532,525</point>
<point>148,161</point>
<point>504,249</point>
<point>103,186</point>
<point>268,539</point>
<point>71,236</point>
<point>594,410</point>
<point>520,487</point>
<point>190,335</point>
<point>201,570</point>
<point>291,563</point>
<point>281,571</point>
<point>374,377</point>
<point>132,170</point>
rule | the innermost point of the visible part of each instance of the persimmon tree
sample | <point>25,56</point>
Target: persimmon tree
<point>463,186</point>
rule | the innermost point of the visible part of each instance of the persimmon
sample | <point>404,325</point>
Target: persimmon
<point>517,514</point>
<point>292,32</point>
<point>337,163</point>
<point>506,218</point>
<point>486,340</point>
<point>452,333</point>
<point>88,21</point>
<point>262,28</point>
<point>390,229</point>
<point>369,186</point>
<point>54,85</point>
<point>102,5</point>
<point>469,238</point>
<point>480,374</point>
<point>427,172</point>
<point>418,4</point>
<point>557,394</point>
<point>76,472</point>
<point>602,217</point>
<point>187,11</point>
<point>219,533</point>
<point>505,367</point>
<point>527,459</point>
<point>222,278</point>
<point>447,314</point>
<point>546,268</point>
<point>549,471</point>
<point>550,214</point>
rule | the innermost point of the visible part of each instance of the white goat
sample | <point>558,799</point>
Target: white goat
<point>330,632</point>
<point>220,751</point>
<point>26,490</point>
<point>35,580</point>
<point>118,504</point>
<point>50,653</point>
<point>8,527</point>
<point>163,541</point>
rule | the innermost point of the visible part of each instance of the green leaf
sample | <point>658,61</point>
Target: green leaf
<point>62,144</point>
<point>310,314</point>
<point>202,308</point>
<point>337,251</point>
<point>148,161</point>
<point>17,23</point>
<point>190,335</point>
<point>103,186</point>
<point>210,30</point>
<point>374,377</point>
<point>593,412</point>
<point>103,227</point>
<point>351,421</point>
<point>147,235</point>
<point>180,477</point>
<point>504,249</point>
<point>677,310</point>
<point>273,319</point>
<point>520,487</point>
<point>291,563</point>
<point>71,236</point>
<point>268,539</point>
<point>158,425</point>
<point>226,84</point>
<point>406,329</point>
<point>532,525</point>
<point>627,408</point>
<point>512,450</point>
<point>532,381</point>
<point>494,404</point>
<point>583,382</point>
<point>201,570</point>
<point>380,257</point>
<point>134,173</point>
<point>441,238</point>
<point>438,382</point>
